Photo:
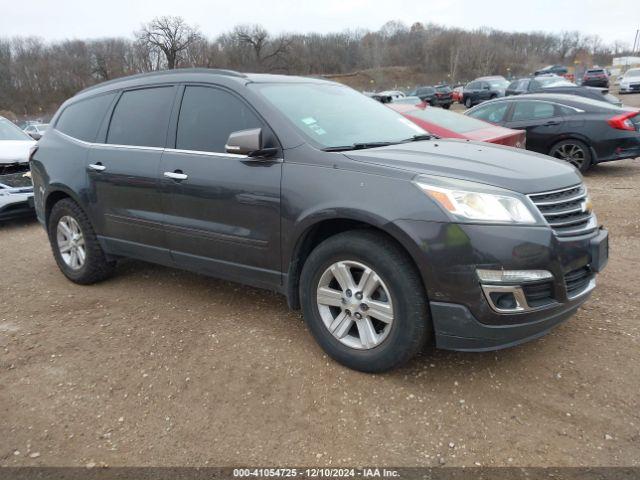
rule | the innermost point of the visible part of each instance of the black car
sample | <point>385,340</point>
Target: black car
<point>555,84</point>
<point>387,240</point>
<point>579,130</point>
<point>482,89</point>
<point>553,70</point>
<point>438,96</point>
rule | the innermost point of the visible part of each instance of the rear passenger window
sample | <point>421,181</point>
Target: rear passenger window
<point>532,111</point>
<point>141,117</point>
<point>82,119</point>
<point>493,112</point>
<point>207,117</point>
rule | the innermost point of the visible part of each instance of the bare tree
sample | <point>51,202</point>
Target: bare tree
<point>170,35</point>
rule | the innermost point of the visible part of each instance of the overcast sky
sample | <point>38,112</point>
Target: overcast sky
<point>62,19</point>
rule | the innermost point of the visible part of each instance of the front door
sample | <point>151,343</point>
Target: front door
<point>222,211</point>
<point>124,186</point>
<point>541,120</point>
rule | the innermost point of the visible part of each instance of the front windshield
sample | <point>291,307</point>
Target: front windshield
<point>632,73</point>
<point>8,131</point>
<point>499,84</point>
<point>337,116</point>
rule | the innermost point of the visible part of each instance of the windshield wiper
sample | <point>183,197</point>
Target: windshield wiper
<point>419,137</point>
<point>358,146</point>
<point>363,145</point>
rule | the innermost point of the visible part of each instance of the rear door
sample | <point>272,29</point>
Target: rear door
<point>540,119</point>
<point>124,169</point>
<point>223,213</point>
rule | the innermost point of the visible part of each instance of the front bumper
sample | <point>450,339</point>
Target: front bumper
<point>463,319</point>
<point>14,204</point>
<point>632,88</point>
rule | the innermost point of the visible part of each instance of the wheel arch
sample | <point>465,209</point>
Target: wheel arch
<point>54,195</point>
<point>311,233</point>
<point>574,136</point>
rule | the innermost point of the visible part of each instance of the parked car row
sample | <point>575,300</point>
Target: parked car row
<point>556,84</point>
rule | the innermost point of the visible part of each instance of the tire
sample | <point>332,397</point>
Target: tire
<point>392,342</point>
<point>70,227</point>
<point>432,103</point>
<point>573,151</point>
<point>446,106</point>
<point>467,102</point>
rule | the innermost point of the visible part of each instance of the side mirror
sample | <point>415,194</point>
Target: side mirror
<point>248,142</point>
<point>486,87</point>
<point>35,135</point>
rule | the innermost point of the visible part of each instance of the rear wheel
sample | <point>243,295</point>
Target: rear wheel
<point>364,302</point>
<point>446,106</point>
<point>575,152</point>
<point>75,246</point>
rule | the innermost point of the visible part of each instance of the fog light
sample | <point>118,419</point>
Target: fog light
<point>512,276</point>
<point>504,301</point>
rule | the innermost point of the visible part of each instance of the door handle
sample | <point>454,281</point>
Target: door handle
<point>177,175</point>
<point>551,123</point>
<point>98,167</point>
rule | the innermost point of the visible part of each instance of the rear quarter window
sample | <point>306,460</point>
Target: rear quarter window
<point>82,119</point>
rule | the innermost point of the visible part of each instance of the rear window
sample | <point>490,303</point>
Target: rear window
<point>449,120</point>
<point>141,117</point>
<point>443,89</point>
<point>596,70</point>
<point>493,112</point>
<point>532,111</point>
<point>82,119</point>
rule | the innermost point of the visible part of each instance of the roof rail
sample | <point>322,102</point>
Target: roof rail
<point>158,73</point>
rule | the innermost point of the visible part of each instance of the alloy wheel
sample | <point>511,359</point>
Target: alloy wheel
<point>570,152</point>
<point>70,242</point>
<point>355,304</point>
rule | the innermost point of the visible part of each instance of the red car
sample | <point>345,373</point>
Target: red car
<point>457,94</point>
<point>446,124</point>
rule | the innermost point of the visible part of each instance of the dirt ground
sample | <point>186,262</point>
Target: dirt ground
<point>162,367</point>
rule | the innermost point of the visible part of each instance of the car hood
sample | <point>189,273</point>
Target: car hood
<point>511,168</point>
<point>15,151</point>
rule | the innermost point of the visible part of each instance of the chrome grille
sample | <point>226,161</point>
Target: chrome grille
<point>566,210</point>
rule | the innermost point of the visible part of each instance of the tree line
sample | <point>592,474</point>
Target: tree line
<point>36,76</point>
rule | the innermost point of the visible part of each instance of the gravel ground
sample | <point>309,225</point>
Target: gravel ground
<point>162,367</point>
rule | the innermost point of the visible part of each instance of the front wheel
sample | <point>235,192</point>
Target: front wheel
<point>467,102</point>
<point>446,106</point>
<point>364,301</point>
<point>573,151</point>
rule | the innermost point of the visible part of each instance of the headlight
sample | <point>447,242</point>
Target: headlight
<point>477,202</point>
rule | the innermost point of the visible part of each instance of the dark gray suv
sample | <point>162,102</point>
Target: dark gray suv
<point>385,238</point>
